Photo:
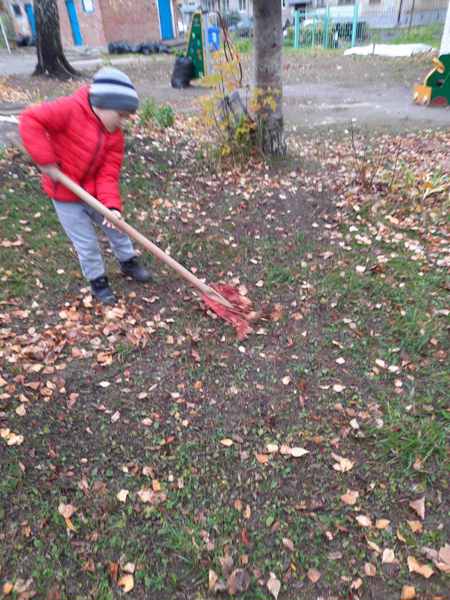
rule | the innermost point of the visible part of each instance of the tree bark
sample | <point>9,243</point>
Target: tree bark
<point>50,53</point>
<point>268,75</point>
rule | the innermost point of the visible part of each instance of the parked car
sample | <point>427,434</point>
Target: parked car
<point>244,28</point>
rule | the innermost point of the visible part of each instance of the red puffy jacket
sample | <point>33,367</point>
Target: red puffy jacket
<point>68,133</point>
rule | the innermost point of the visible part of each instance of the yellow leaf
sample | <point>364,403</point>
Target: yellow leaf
<point>370,570</point>
<point>156,485</point>
<point>126,583</point>
<point>415,567</point>
<point>408,592</point>
<point>382,523</point>
<point>7,588</point>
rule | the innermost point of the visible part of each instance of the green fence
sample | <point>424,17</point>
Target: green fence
<point>328,28</point>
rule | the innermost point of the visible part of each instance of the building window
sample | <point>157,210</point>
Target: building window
<point>345,2</point>
<point>283,3</point>
<point>242,5</point>
<point>88,6</point>
<point>17,10</point>
<point>374,1</point>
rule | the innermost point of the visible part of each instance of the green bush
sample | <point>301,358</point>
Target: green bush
<point>162,114</point>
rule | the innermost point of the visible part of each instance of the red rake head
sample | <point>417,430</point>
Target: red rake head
<point>239,316</point>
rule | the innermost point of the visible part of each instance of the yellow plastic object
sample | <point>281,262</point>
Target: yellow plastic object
<point>422,94</point>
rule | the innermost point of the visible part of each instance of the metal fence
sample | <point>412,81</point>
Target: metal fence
<point>347,26</point>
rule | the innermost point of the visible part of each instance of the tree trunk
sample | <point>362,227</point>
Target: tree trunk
<point>445,42</point>
<point>268,75</point>
<point>50,53</point>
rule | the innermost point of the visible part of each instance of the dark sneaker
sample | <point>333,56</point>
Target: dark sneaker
<point>132,268</point>
<point>102,291</point>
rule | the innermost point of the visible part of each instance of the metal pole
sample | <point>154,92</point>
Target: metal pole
<point>413,7</point>
<point>4,35</point>
<point>355,23</point>
<point>399,17</point>
<point>296,29</point>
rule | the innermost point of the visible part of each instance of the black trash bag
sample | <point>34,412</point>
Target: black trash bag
<point>183,72</point>
<point>137,48</point>
<point>147,48</point>
<point>119,48</point>
<point>163,49</point>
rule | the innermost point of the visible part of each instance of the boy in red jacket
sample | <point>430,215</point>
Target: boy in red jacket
<point>81,135</point>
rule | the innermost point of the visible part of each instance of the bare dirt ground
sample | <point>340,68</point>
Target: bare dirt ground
<point>321,89</point>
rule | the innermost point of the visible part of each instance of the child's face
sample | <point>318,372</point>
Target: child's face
<point>112,119</point>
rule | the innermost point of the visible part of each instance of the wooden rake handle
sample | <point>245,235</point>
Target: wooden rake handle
<point>119,223</point>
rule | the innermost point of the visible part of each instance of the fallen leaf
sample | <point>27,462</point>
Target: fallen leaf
<point>364,521</point>
<point>129,568</point>
<point>388,556</point>
<point>272,448</point>
<point>370,570</point>
<point>314,575</point>
<point>7,588</point>
<point>227,565</point>
<point>286,380</point>
<point>226,442</point>
<point>122,495</point>
<point>375,547</point>
<point>408,592</point>
<point>415,526</point>
<point>419,507</point>
<point>66,510</point>
<point>350,497</point>
<point>356,584</point>
<point>238,582</point>
<point>263,459</point>
<point>273,585</point>
<point>288,544</point>
<point>213,578</point>
<point>415,567</point>
<point>298,452</point>
<point>382,523</point>
<point>343,464</point>
<point>126,583</point>
<point>338,387</point>
<point>21,411</point>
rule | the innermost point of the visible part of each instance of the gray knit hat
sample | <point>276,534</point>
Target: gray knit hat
<point>113,89</point>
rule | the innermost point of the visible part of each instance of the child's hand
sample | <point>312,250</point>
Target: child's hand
<point>51,171</point>
<point>116,213</point>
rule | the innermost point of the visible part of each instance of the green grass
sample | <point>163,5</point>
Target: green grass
<point>190,384</point>
<point>426,34</point>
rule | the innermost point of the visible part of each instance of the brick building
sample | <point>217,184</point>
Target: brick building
<point>95,23</point>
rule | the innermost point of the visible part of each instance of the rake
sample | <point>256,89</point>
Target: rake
<point>223,299</point>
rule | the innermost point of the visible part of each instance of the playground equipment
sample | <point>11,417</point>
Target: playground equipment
<point>435,90</point>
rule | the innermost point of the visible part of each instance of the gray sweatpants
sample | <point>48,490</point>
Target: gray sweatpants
<point>78,221</point>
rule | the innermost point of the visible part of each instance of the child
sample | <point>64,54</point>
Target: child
<point>81,136</point>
